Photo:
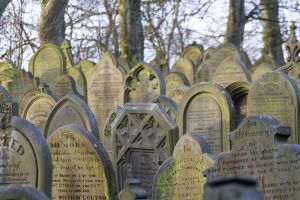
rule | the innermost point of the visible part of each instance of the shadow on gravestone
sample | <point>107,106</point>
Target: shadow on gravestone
<point>80,81</point>
<point>21,192</point>
<point>232,188</point>
<point>180,177</point>
<point>81,167</point>
<point>65,85</point>
<point>132,190</point>
<point>169,105</point>
<point>6,103</point>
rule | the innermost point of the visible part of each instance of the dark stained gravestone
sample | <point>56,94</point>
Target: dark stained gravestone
<point>79,79</point>
<point>180,177</point>
<point>48,63</point>
<point>230,71</point>
<point>107,138</point>
<point>25,157</point>
<point>185,67</point>
<point>142,83</point>
<point>277,95</point>
<point>6,103</point>
<point>64,85</point>
<point>194,53</point>
<point>176,85</point>
<point>169,105</point>
<point>106,88</point>
<point>260,150</point>
<point>233,188</point>
<point>132,190</point>
<point>71,110</point>
<point>144,137</point>
<point>21,192</point>
<point>207,108</point>
<point>81,167</point>
<point>37,106</point>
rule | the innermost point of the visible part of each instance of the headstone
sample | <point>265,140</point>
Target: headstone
<point>7,73</point>
<point>277,95</point>
<point>230,71</point>
<point>144,137</point>
<point>25,157</point>
<point>48,63</point>
<point>79,79</point>
<point>132,190</point>
<point>21,192</point>
<point>180,177</point>
<point>142,83</point>
<point>233,188</point>
<point>262,69</point>
<point>260,150</point>
<point>169,105</point>
<point>65,85</point>
<point>71,110</point>
<point>185,67</point>
<point>6,103</point>
<point>161,62</point>
<point>37,107</point>
<point>264,60</point>
<point>87,67</point>
<point>81,167</point>
<point>66,49</point>
<point>106,88</point>
<point>207,109</point>
<point>194,53</point>
<point>107,138</point>
<point>176,86</point>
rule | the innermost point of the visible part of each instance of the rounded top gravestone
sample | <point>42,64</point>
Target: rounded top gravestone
<point>194,53</point>
<point>21,192</point>
<point>64,85</point>
<point>176,85</point>
<point>185,67</point>
<point>79,79</point>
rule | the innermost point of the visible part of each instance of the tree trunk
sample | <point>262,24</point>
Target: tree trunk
<point>3,5</point>
<point>236,23</point>
<point>271,34</point>
<point>132,38</point>
<point>52,23</point>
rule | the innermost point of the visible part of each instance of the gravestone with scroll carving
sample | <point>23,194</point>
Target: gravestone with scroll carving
<point>21,192</point>
<point>144,137</point>
<point>169,105</point>
<point>180,177</point>
<point>65,85</point>
<point>106,88</point>
<point>48,63</point>
<point>176,85</point>
<point>142,83</point>
<point>185,67</point>
<point>208,109</point>
<point>70,110</point>
<point>81,167</point>
<point>277,95</point>
<point>37,106</point>
<point>260,150</point>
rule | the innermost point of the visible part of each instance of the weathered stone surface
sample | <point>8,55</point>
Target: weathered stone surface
<point>66,49</point>
<point>233,188</point>
<point>65,85</point>
<point>25,157</point>
<point>21,192</point>
<point>277,95</point>
<point>107,138</point>
<point>37,106</point>
<point>185,67</point>
<point>161,62</point>
<point>87,67</point>
<point>208,109</point>
<point>169,105</point>
<point>176,86</point>
<point>132,190</point>
<point>260,150</point>
<point>106,89</point>
<point>264,60</point>
<point>71,110</point>
<point>262,69</point>
<point>6,102</point>
<point>194,53</point>
<point>7,73</point>
<point>142,83</point>
<point>144,136</point>
<point>180,177</point>
<point>77,155</point>
<point>79,79</point>
<point>48,63</point>
<point>231,70</point>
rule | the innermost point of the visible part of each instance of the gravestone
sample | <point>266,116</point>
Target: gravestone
<point>180,177</point>
<point>106,88</point>
<point>107,138</point>
<point>169,105</point>
<point>161,62</point>
<point>176,86</point>
<point>6,103</point>
<point>65,85</point>
<point>21,192</point>
<point>143,137</point>
<point>37,106</point>
<point>81,167</point>
<point>277,95</point>
<point>230,71</point>
<point>87,67</point>
<point>264,60</point>
<point>207,109</point>
<point>142,83</point>
<point>7,73</point>
<point>25,157</point>
<point>71,110</point>
<point>185,67</point>
<point>260,150</point>
<point>233,188</point>
<point>194,53</point>
<point>132,190</point>
<point>48,63</point>
<point>79,80</point>
<point>66,49</point>
<point>262,69</point>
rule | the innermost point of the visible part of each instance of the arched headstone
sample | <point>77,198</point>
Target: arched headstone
<point>169,105</point>
<point>64,85</point>
<point>79,79</point>
<point>176,86</point>
<point>185,67</point>
<point>194,53</point>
